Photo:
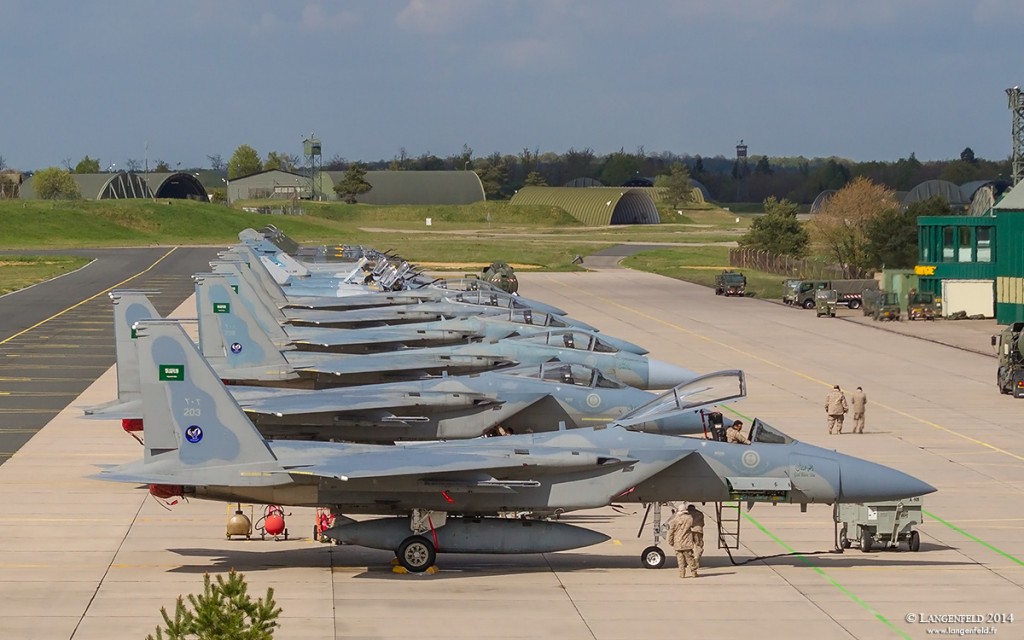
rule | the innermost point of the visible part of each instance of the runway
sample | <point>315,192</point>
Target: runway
<point>55,337</point>
<point>84,559</point>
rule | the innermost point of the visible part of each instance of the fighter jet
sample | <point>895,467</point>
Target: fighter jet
<point>520,399</point>
<point>375,339</point>
<point>236,347</point>
<point>449,496</point>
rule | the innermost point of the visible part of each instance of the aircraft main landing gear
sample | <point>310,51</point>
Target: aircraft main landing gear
<point>416,554</point>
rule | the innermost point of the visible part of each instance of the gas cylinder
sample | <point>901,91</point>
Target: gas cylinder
<point>273,522</point>
<point>239,525</point>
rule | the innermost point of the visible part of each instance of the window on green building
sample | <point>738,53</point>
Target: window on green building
<point>984,240</point>
<point>947,244</point>
<point>964,244</point>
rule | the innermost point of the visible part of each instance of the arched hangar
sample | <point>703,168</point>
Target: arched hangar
<point>132,184</point>
<point>595,206</point>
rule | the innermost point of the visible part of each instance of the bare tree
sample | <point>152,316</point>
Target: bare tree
<point>841,228</point>
<point>216,162</point>
<point>133,164</point>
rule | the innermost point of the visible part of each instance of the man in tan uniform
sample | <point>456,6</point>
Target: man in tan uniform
<point>835,409</point>
<point>680,538</point>
<point>735,433</point>
<point>858,401</point>
<point>698,533</point>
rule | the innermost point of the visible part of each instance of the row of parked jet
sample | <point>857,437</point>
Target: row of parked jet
<point>369,389</point>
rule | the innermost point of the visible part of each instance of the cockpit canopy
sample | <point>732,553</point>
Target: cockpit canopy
<point>569,339</point>
<point>695,395</point>
<point>767,434</point>
<point>579,375</point>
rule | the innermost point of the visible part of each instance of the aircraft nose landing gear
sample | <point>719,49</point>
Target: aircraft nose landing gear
<point>653,557</point>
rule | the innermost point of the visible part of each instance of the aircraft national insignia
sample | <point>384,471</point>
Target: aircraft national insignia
<point>593,400</point>
<point>194,433</point>
<point>236,347</point>
<point>172,372</point>
<point>751,459</point>
<point>222,307</point>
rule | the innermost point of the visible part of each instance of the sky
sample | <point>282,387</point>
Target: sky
<point>180,81</point>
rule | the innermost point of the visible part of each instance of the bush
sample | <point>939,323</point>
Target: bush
<point>224,610</point>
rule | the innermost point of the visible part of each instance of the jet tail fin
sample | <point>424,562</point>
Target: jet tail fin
<point>130,306</point>
<point>195,431</point>
<point>233,342</point>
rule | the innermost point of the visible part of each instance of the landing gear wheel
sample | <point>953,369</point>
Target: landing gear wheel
<point>915,541</point>
<point>865,541</point>
<point>652,558</point>
<point>844,542</point>
<point>416,554</point>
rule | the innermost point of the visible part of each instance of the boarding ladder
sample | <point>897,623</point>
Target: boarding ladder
<point>728,516</point>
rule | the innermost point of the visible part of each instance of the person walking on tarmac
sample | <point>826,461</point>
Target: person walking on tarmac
<point>698,533</point>
<point>858,400</point>
<point>680,538</point>
<point>835,409</point>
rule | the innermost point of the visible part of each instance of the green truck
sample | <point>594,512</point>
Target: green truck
<point>730,283</point>
<point>1010,374</point>
<point>801,293</point>
<point>881,305</point>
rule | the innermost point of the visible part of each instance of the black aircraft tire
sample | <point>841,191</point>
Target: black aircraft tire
<point>914,544</point>
<point>652,558</point>
<point>416,554</point>
<point>865,541</point>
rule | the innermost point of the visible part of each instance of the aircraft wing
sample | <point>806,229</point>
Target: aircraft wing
<point>442,459</point>
<point>355,400</point>
<point>405,363</point>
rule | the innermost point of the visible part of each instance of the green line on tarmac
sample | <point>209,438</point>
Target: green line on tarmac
<point>878,616</point>
<point>867,607</point>
<point>976,539</point>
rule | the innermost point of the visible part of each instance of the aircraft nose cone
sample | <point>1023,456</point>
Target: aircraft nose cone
<point>864,481</point>
<point>665,375</point>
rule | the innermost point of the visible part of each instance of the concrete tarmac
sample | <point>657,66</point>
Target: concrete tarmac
<point>85,559</point>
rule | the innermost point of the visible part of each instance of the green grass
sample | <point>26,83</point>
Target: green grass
<point>18,272</point>
<point>544,237</point>
<point>700,265</point>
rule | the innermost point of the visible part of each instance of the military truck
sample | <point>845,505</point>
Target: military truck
<point>789,288</point>
<point>849,291</point>
<point>922,305</point>
<point>1010,375</point>
<point>730,283</point>
<point>501,275</point>
<point>881,305</point>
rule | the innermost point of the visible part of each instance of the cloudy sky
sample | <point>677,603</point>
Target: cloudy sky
<point>182,80</point>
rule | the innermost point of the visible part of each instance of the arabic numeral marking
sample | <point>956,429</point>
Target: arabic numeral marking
<point>192,412</point>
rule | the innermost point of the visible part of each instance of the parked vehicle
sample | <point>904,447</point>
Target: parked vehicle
<point>849,292</point>
<point>730,283</point>
<point>1010,374</point>
<point>922,305</point>
<point>825,302</point>
<point>881,305</point>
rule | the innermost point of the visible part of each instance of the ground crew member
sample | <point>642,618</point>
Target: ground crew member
<point>835,409</point>
<point>680,538</point>
<point>859,400</point>
<point>735,433</point>
<point>698,533</point>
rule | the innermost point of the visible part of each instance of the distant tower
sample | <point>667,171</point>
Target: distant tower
<point>1016,100</point>
<point>314,160</point>
<point>741,172</point>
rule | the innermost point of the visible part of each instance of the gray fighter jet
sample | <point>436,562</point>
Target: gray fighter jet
<point>448,496</point>
<point>534,398</point>
<point>236,347</point>
<point>276,325</point>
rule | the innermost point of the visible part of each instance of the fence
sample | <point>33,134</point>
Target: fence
<point>760,260</point>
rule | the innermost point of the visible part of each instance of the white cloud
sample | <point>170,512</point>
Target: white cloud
<point>315,18</point>
<point>435,16</point>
